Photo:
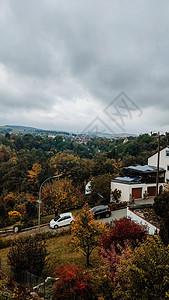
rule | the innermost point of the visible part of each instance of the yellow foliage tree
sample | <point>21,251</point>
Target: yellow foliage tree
<point>14,216</point>
<point>86,232</point>
<point>61,195</point>
<point>33,174</point>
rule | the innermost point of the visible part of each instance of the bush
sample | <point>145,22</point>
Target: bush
<point>101,282</point>
<point>4,243</point>
<point>72,282</point>
<point>114,206</point>
<point>116,194</point>
<point>27,254</point>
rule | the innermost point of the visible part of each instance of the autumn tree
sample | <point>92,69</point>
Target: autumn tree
<point>14,216</point>
<point>123,230</point>
<point>33,175</point>
<point>72,282</point>
<point>61,195</point>
<point>48,198</point>
<point>143,273</point>
<point>9,201</point>
<point>86,232</point>
<point>14,173</point>
<point>67,164</point>
<point>27,254</point>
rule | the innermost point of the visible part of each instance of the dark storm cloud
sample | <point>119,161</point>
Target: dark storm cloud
<point>54,54</point>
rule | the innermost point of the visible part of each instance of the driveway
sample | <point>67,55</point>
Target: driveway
<point>116,214</point>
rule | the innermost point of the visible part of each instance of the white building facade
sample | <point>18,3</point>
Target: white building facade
<point>163,162</point>
<point>134,190</point>
<point>140,180</point>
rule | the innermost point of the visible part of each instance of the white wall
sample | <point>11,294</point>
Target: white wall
<point>163,163</point>
<point>135,217</point>
<point>88,188</point>
<point>126,189</point>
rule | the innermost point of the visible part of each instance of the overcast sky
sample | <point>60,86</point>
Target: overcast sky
<point>85,65</point>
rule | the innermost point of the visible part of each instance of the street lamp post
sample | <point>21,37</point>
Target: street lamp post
<point>39,201</point>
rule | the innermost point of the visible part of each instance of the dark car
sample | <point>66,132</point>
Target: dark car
<point>101,211</point>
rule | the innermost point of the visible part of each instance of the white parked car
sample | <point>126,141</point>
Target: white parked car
<point>61,220</point>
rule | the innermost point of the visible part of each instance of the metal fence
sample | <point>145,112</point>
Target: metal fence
<point>43,287</point>
<point>5,268</point>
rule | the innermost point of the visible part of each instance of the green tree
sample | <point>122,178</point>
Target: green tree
<point>143,273</point>
<point>72,166</point>
<point>3,215</point>
<point>100,189</point>
<point>161,208</point>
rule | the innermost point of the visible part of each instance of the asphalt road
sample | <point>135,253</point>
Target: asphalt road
<point>117,214</point>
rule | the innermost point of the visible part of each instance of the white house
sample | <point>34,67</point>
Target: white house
<point>138,180</point>
<point>163,162</point>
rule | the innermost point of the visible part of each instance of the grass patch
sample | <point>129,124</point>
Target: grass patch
<point>4,265</point>
<point>61,252</point>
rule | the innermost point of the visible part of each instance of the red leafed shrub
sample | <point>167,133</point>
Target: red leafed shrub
<point>112,258</point>
<point>124,230</point>
<point>72,282</point>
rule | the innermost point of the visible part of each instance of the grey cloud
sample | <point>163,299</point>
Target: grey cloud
<point>65,50</point>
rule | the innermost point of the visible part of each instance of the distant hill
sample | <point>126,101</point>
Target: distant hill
<point>19,129</point>
<point>26,128</point>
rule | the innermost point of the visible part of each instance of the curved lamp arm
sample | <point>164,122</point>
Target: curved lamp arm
<point>39,201</point>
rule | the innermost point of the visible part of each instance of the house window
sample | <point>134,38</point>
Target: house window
<point>167,167</point>
<point>167,152</point>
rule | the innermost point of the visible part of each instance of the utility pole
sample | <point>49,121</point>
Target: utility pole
<point>158,162</point>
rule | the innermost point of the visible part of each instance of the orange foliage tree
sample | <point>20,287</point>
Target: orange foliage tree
<point>33,175</point>
<point>9,201</point>
<point>61,195</point>
<point>86,232</point>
